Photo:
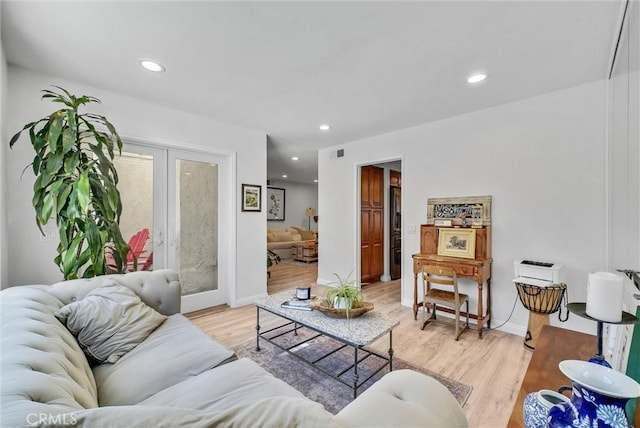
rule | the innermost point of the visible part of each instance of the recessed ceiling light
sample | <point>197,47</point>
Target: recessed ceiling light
<point>152,65</point>
<point>476,78</point>
<point>324,127</point>
<point>284,175</point>
<point>315,181</point>
<point>295,158</point>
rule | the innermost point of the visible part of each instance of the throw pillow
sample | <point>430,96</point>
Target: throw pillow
<point>307,235</point>
<point>282,236</point>
<point>109,322</point>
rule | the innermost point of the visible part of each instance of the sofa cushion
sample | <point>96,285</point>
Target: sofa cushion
<point>270,237</point>
<point>239,382</point>
<point>281,236</point>
<point>174,352</point>
<point>277,230</point>
<point>408,396</point>
<point>245,395</point>
<point>270,412</point>
<point>110,321</point>
<point>43,368</point>
<point>159,289</point>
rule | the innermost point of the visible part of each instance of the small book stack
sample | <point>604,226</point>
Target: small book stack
<point>294,303</point>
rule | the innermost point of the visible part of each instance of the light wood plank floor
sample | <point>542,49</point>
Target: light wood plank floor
<point>493,365</point>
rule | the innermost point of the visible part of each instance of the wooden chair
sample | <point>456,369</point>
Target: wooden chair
<point>436,296</point>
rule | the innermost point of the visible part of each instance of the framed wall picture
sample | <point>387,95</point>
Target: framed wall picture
<point>457,242</point>
<point>275,203</point>
<point>251,197</point>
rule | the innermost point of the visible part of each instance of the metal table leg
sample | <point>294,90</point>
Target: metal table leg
<point>355,372</point>
<point>257,328</point>
<point>390,352</point>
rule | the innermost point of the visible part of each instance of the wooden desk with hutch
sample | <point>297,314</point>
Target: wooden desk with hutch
<point>477,269</point>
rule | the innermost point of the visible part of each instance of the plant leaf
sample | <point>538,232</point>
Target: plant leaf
<point>36,165</point>
<point>62,197</point>
<point>70,256</point>
<point>47,208</point>
<point>83,192</point>
<point>53,188</point>
<point>54,163</point>
<point>68,140</point>
<point>70,163</point>
<point>57,120</point>
<point>15,138</point>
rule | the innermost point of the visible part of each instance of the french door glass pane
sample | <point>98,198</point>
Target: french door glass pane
<point>197,225</point>
<point>135,174</point>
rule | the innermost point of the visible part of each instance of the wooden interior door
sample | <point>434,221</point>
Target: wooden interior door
<point>371,223</point>
<point>395,227</point>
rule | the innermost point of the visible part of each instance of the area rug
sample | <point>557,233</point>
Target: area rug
<point>318,386</point>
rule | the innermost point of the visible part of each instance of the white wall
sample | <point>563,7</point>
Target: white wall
<point>31,260</point>
<point>3,171</point>
<point>543,161</point>
<point>298,197</point>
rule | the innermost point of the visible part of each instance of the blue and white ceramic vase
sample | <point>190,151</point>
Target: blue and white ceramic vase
<point>600,395</point>
<point>536,407</point>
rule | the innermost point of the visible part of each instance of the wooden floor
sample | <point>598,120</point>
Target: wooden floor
<point>493,365</point>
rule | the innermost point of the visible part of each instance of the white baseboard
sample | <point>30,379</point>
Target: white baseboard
<point>325,282</point>
<point>407,302</point>
<point>246,300</point>
<point>510,328</point>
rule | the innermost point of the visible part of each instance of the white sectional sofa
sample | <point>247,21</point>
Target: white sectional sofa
<point>176,377</point>
<point>280,240</point>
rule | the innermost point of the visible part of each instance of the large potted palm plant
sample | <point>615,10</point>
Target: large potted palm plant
<point>76,184</point>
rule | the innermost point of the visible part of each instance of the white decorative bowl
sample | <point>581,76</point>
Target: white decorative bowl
<point>600,379</point>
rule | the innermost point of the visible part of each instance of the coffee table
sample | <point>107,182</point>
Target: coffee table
<point>306,252</point>
<point>355,333</point>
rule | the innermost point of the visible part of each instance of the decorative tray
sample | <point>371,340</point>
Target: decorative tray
<point>323,306</point>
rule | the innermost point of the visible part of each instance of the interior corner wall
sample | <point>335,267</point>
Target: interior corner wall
<point>31,259</point>
<point>542,160</point>
<point>624,147</point>
<point>298,197</point>
<point>4,141</point>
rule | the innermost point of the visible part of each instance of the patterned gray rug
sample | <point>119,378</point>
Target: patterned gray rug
<point>320,387</point>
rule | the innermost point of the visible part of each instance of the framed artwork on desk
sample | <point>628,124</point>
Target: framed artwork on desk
<point>457,242</point>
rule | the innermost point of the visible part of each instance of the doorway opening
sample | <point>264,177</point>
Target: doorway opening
<point>380,252</point>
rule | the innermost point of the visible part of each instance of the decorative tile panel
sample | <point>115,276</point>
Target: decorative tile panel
<point>474,210</point>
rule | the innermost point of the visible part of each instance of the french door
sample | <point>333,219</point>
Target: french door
<point>171,201</point>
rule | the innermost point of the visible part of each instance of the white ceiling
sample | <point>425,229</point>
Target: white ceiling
<point>283,68</point>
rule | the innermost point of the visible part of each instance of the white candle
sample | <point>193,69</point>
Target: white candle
<point>604,296</point>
